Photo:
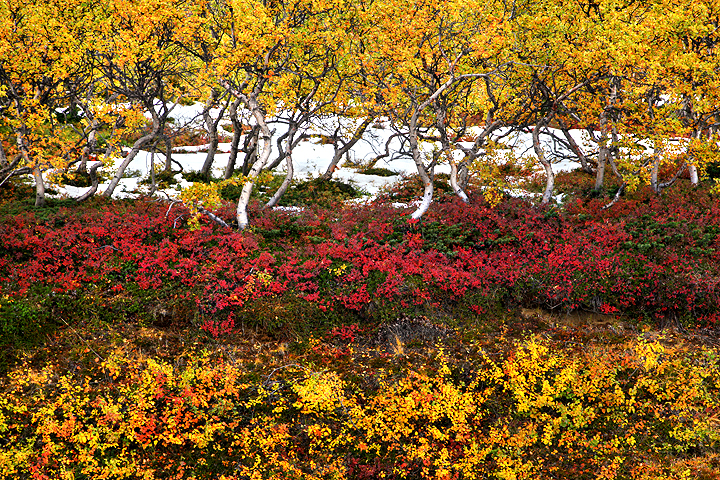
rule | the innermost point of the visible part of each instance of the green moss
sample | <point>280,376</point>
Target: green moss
<point>378,171</point>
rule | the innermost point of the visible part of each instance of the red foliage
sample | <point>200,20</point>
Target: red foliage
<point>653,256</point>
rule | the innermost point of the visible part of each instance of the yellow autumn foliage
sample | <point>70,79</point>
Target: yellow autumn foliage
<point>536,411</point>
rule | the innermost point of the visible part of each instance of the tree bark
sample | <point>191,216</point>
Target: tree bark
<point>237,134</point>
<point>339,152</point>
<point>3,158</point>
<point>91,145</point>
<point>168,154</point>
<point>9,170</point>
<point>550,176</point>
<point>694,177</point>
<point>250,149</point>
<point>584,163</point>
<point>95,182</point>
<point>205,171</point>
<point>604,152</point>
<point>428,186</point>
<point>455,184</point>
<point>244,199</point>
<point>602,160</point>
<point>35,168</point>
<point>286,182</point>
<point>463,175</point>
<point>251,102</point>
<point>655,172</point>
<point>211,126</point>
<point>692,168</point>
<point>153,180</point>
<point>139,143</point>
<point>39,187</point>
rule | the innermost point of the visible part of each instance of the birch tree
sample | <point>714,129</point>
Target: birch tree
<point>42,47</point>
<point>419,54</point>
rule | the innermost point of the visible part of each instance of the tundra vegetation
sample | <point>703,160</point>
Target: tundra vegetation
<point>472,335</point>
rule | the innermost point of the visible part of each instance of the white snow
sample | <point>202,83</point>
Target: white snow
<point>310,157</point>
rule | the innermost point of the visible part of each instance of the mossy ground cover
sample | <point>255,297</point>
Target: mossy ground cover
<point>343,342</point>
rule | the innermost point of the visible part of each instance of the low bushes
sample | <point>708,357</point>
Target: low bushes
<point>650,258</point>
<point>535,409</point>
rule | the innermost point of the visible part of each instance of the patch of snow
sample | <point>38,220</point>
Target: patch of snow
<point>312,158</point>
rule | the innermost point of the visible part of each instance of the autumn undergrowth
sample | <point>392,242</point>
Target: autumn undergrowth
<point>345,342</point>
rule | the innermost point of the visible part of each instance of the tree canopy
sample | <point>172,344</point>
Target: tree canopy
<point>78,79</point>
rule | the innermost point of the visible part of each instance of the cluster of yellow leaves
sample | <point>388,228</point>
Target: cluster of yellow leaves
<point>499,171</point>
<point>338,271</point>
<point>207,195</point>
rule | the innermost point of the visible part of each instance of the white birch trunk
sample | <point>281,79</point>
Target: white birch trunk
<point>95,182</point>
<point>285,185</point>
<point>604,154</point>
<point>655,172</point>
<point>426,200</point>
<point>602,161</point>
<point>550,176</point>
<point>694,177</point>
<point>244,200</point>
<point>428,187</point>
<point>455,184</point>
<point>39,187</point>
<point>139,143</point>
<point>692,168</point>
<point>36,172</point>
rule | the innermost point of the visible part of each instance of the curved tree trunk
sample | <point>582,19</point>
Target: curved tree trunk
<point>244,199</point>
<point>251,102</point>
<point>39,187</point>
<point>95,182</point>
<point>286,182</point>
<point>455,184</point>
<point>550,176</point>
<point>211,126</point>
<point>9,169</point>
<point>428,189</point>
<point>428,186</point>
<point>90,147</point>
<point>237,134</point>
<point>339,152</point>
<point>584,163</point>
<point>250,148</point>
<point>139,143</point>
